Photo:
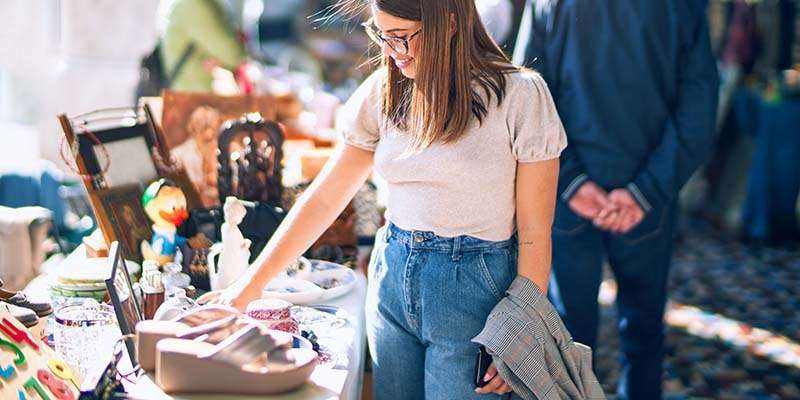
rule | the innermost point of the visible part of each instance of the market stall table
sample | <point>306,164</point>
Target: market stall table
<point>341,382</point>
<point>326,383</point>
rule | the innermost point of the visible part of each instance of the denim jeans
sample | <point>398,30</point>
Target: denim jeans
<point>640,260</point>
<point>428,296</point>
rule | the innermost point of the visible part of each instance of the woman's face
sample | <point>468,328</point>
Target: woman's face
<point>394,28</point>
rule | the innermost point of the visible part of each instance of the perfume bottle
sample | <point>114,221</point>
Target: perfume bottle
<point>152,288</point>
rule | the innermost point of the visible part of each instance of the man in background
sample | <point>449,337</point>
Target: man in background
<point>635,84</point>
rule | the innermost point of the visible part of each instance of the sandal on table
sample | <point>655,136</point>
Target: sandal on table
<point>211,323</point>
<point>252,361</point>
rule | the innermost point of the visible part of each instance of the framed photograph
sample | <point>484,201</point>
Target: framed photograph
<point>123,208</point>
<point>120,148</point>
<point>123,299</point>
<point>191,124</point>
<point>121,155</point>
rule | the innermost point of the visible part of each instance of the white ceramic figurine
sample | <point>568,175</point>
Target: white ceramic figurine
<point>235,256</point>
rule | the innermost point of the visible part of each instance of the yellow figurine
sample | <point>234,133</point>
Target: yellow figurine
<point>165,204</point>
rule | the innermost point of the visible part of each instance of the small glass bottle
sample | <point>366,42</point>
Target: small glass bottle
<point>174,306</point>
<point>173,279</point>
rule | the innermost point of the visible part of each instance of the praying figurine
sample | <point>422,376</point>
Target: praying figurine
<point>165,204</point>
<point>235,255</point>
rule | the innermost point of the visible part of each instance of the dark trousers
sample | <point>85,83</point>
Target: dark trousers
<point>640,261</point>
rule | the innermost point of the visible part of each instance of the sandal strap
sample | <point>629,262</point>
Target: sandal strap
<point>245,346</point>
<point>208,328</point>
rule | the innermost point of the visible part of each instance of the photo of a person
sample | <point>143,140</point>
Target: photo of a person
<point>127,218</point>
<point>138,232</point>
<point>198,153</point>
<point>191,125</point>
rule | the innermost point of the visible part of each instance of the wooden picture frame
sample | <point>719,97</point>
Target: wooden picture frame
<point>128,149</point>
<point>128,123</point>
<point>127,218</point>
<point>123,299</point>
<point>115,145</point>
<point>191,124</point>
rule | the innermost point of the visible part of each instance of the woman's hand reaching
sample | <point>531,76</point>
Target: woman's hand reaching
<point>238,295</point>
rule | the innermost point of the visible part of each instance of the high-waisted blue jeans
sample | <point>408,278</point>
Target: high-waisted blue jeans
<point>428,297</point>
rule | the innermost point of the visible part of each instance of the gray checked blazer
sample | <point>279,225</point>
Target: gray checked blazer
<point>533,351</point>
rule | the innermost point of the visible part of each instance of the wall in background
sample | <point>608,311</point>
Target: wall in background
<point>65,56</point>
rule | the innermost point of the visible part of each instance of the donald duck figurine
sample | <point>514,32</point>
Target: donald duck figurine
<point>165,204</point>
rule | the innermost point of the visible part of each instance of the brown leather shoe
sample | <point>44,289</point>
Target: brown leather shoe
<point>19,299</point>
<point>26,316</point>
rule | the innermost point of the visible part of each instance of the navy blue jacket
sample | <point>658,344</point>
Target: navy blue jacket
<point>635,84</point>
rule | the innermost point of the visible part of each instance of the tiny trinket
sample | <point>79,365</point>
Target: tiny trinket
<point>152,288</point>
<point>173,279</point>
<point>274,314</point>
<point>165,205</point>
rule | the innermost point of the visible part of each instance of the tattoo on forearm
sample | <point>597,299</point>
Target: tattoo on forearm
<point>526,243</point>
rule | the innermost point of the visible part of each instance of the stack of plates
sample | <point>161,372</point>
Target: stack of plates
<point>85,278</point>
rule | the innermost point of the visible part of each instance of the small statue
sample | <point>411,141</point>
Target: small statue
<point>165,204</point>
<point>249,159</point>
<point>235,254</point>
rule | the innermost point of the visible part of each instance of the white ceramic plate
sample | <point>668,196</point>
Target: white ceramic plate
<point>89,271</point>
<point>304,268</point>
<point>82,287</point>
<point>295,291</point>
<point>325,282</point>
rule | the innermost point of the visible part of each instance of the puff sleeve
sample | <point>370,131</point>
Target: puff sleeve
<point>358,122</point>
<point>536,130</point>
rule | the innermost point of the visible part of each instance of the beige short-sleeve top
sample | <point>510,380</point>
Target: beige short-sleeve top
<point>466,187</point>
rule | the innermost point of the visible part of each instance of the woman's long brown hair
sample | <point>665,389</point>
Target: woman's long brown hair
<point>439,104</point>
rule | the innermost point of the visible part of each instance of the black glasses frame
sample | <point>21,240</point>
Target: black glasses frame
<point>397,44</point>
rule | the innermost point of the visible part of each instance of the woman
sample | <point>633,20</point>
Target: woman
<point>469,146</point>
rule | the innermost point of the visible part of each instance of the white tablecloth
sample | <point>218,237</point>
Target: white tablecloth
<point>341,382</point>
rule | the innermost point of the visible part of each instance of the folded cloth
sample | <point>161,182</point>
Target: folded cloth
<point>532,349</point>
<point>21,251</point>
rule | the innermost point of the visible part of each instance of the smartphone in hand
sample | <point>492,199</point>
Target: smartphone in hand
<point>482,363</point>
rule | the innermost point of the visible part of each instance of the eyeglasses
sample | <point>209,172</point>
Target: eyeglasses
<point>398,44</point>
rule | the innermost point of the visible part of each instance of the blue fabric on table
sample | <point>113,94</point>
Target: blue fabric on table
<point>37,187</point>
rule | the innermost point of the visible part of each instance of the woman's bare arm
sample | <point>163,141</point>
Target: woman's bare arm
<point>315,211</point>
<point>536,198</point>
